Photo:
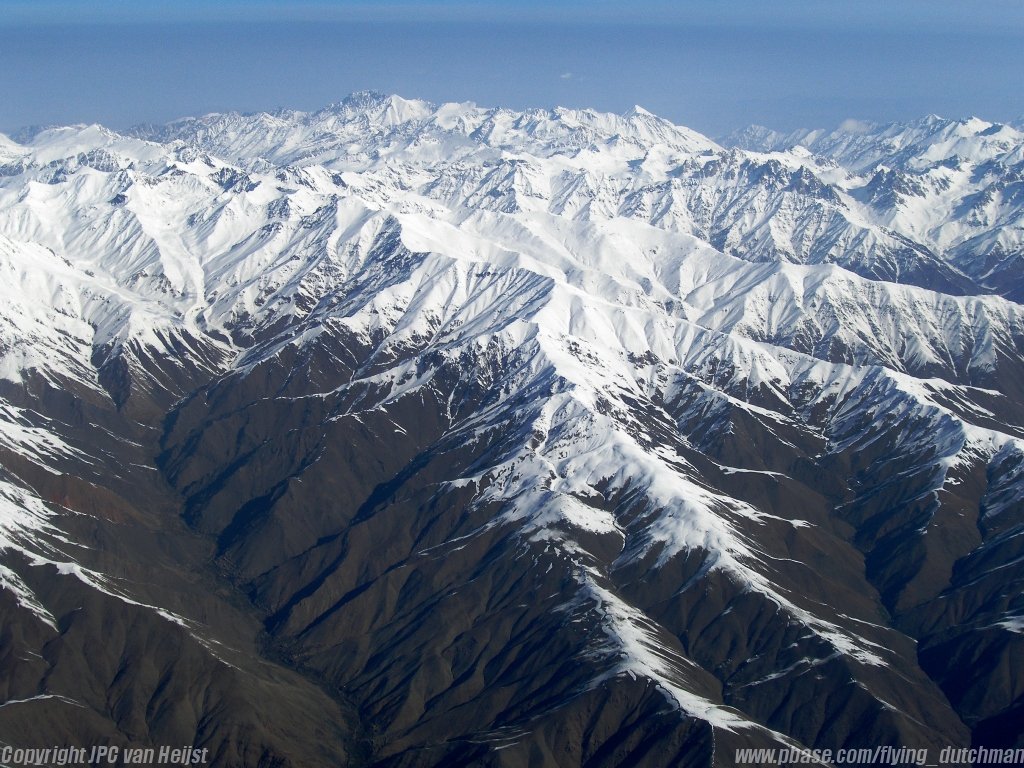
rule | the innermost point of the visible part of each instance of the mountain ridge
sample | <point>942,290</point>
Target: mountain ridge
<point>547,438</point>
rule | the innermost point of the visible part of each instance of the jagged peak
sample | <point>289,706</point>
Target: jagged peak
<point>637,111</point>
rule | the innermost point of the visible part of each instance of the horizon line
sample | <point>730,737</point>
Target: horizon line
<point>35,129</point>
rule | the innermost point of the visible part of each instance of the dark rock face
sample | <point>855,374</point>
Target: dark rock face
<point>147,645</point>
<point>335,475</point>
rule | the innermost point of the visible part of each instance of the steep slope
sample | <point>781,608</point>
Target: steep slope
<point>494,438</point>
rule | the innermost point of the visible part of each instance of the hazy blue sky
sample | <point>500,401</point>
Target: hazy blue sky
<point>714,65</point>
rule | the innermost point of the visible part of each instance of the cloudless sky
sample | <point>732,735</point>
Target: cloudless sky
<point>714,65</point>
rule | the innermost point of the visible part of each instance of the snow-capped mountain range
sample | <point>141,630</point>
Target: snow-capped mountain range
<point>544,437</point>
<point>951,186</point>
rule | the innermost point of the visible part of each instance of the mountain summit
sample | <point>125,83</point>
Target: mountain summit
<point>398,434</point>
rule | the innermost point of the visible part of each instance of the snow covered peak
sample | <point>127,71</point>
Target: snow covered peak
<point>920,143</point>
<point>210,226</point>
<point>370,125</point>
<point>914,145</point>
<point>757,138</point>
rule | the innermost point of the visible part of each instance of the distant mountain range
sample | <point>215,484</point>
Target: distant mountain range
<point>398,434</point>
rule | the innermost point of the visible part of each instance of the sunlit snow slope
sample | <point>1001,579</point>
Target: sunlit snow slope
<point>544,438</point>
